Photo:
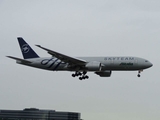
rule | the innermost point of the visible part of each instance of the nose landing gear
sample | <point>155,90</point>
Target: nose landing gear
<point>139,72</point>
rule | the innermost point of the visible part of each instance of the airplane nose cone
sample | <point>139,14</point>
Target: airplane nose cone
<point>144,64</point>
<point>147,64</point>
<point>150,64</point>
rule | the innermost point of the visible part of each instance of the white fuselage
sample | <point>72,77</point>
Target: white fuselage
<point>102,66</point>
<point>108,63</point>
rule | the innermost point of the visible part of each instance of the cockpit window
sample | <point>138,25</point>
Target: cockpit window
<point>146,60</point>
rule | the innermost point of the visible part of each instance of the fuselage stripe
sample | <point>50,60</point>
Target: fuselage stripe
<point>57,65</point>
<point>53,63</point>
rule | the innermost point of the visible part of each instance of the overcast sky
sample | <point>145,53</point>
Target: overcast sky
<point>82,28</point>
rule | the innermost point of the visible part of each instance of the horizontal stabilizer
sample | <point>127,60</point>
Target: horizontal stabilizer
<point>19,59</point>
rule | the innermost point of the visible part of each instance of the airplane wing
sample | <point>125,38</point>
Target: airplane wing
<point>19,59</point>
<point>65,58</point>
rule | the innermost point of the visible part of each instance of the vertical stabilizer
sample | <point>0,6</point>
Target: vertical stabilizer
<point>27,51</point>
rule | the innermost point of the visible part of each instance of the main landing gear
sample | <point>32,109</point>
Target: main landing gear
<point>139,72</point>
<point>81,74</point>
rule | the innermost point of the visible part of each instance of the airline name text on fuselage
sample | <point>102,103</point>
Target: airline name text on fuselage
<point>119,58</point>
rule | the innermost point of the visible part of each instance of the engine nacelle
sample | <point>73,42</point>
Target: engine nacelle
<point>106,73</point>
<point>93,66</point>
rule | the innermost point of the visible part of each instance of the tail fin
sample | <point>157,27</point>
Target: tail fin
<point>27,51</point>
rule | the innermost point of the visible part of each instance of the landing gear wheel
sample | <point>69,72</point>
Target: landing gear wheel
<point>86,77</point>
<point>79,74</point>
<point>73,75</point>
<point>139,72</point>
<point>82,75</point>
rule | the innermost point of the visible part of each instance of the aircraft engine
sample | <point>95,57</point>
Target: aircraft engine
<point>94,66</point>
<point>106,73</point>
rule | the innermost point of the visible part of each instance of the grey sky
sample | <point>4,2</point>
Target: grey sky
<point>82,28</point>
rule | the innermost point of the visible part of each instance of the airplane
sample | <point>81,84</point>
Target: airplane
<point>102,66</point>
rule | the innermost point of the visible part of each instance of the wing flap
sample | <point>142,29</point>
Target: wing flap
<point>65,58</point>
